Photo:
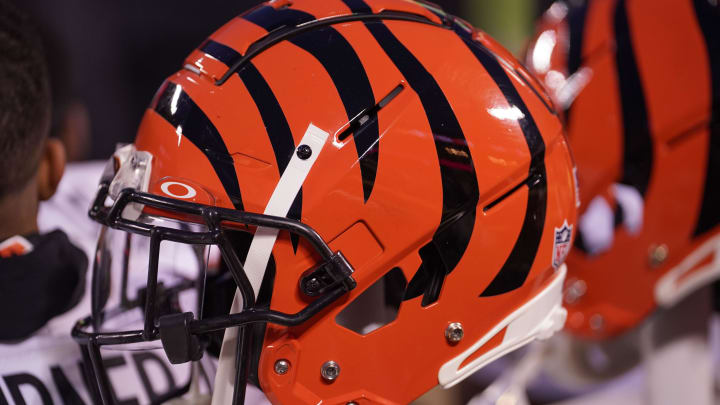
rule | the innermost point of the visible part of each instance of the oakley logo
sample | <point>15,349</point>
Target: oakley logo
<point>179,188</point>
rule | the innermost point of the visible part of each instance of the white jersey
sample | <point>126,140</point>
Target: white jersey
<point>46,368</point>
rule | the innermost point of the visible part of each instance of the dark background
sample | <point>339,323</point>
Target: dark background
<point>107,58</point>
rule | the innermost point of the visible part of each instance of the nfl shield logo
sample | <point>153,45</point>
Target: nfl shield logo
<point>561,245</point>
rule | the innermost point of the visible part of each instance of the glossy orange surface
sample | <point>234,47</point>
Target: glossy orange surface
<point>399,361</point>
<point>673,68</point>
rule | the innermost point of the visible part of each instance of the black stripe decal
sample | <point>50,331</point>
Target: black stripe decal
<point>576,25</point>
<point>221,52</point>
<point>577,15</point>
<point>182,113</point>
<point>459,181</point>
<point>514,272</point>
<point>272,19</point>
<point>271,112</point>
<point>345,69</point>
<point>637,141</point>
<point>358,6</point>
<point>709,20</point>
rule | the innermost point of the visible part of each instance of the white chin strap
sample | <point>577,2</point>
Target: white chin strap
<point>259,254</point>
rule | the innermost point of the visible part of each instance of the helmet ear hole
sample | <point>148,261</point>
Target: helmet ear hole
<point>377,306</point>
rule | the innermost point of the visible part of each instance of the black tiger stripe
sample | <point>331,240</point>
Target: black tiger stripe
<point>577,14</point>
<point>517,266</point>
<point>189,119</point>
<point>221,52</point>
<point>577,17</point>
<point>457,171</point>
<point>345,69</point>
<point>576,25</point>
<point>637,140</point>
<point>708,18</point>
<point>272,19</point>
<point>358,6</point>
<point>271,112</point>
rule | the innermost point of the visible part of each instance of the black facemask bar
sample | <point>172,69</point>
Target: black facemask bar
<point>180,332</point>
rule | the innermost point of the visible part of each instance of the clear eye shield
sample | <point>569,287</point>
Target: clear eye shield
<point>150,267</point>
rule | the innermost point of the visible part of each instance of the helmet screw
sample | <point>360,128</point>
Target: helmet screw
<point>658,255</point>
<point>352,403</point>
<point>282,366</point>
<point>312,285</point>
<point>454,332</point>
<point>330,370</point>
<point>304,152</point>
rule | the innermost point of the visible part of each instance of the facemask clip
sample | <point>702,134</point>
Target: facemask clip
<point>327,276</point>
<point>180,345</point>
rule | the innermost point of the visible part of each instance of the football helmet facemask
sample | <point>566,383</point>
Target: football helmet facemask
<point>403,186</point>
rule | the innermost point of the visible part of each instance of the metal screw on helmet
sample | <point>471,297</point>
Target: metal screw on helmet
<point>312,285</point>
<point>658,255</point>
<point>304,152</point>
<point>330,370</point>
<point>454,332</point>
<point>282,366</point>
<point>352,403</point>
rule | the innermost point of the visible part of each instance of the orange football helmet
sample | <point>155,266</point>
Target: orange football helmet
<point>640,92</point>
<point>404,187</point>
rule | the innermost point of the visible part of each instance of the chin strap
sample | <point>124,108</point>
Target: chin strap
<point>288,187</point>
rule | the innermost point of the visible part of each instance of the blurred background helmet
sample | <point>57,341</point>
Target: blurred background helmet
<point>386,187</point>
<point>639,93</point>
